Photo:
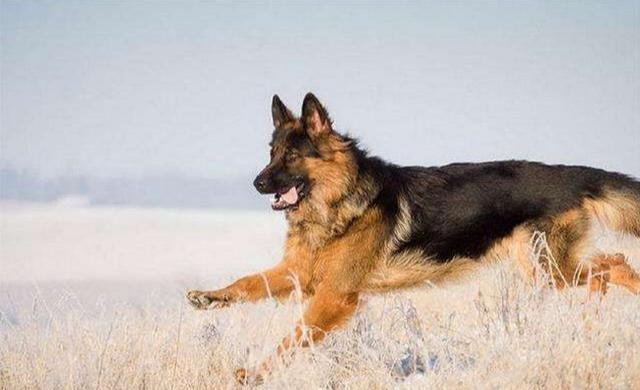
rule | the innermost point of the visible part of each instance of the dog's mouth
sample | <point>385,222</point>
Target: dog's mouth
<point>289,198</point>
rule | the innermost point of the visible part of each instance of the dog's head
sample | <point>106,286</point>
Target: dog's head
<point>304,155</point>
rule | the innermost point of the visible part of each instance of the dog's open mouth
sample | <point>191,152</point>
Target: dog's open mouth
<point>288,198</point>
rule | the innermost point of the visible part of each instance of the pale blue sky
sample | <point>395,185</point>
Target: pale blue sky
<point>139,88</point>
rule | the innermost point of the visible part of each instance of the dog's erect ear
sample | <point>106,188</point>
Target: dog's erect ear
<point>281,114</point>
<point>315,117</point>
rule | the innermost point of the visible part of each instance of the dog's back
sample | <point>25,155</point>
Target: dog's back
<point>461,209</point>
<point>465,213</point>
<point>358,224</point>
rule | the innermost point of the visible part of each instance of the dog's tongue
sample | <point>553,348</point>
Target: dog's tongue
<point>290,196</point>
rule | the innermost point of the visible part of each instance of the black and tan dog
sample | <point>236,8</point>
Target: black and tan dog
<point>360,225</point>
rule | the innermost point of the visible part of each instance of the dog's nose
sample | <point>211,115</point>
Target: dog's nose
<point>260,183</point>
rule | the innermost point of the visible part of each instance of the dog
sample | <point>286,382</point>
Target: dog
<point>358,224</point>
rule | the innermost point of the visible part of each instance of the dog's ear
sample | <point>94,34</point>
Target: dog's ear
<point>315,117</point>
<point>281,114</point>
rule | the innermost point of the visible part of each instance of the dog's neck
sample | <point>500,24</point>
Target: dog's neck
<point>318,220</point>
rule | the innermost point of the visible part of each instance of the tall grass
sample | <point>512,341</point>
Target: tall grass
<point>494,331</point>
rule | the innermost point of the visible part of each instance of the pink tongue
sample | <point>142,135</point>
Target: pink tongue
<point>290,196</point>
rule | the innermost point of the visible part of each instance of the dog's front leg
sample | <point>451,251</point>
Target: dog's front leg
<point>276,282</point>
<point>329,308</point>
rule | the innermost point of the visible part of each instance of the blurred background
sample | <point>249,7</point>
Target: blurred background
<point>131,131</point>
<point>167,103</point>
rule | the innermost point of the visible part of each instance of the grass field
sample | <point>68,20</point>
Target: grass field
<point>93,298</point>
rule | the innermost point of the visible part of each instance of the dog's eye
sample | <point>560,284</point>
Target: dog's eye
<point>291,156</point>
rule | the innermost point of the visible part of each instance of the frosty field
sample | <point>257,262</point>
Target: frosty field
<point>92,297</point>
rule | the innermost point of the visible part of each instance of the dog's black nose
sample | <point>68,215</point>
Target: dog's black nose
<point>260,183</point>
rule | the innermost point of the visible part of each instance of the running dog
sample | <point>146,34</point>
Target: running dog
<point>358,224</point>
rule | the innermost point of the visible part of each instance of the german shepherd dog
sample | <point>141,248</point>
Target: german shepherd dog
<point>358,224</point>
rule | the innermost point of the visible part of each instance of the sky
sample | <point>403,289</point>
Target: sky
<point>131,89</point>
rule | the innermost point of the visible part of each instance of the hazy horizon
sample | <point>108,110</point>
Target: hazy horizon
<point>113,90</point>
<point>130,134</point>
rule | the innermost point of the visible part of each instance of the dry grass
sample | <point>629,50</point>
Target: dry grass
<point>494,332</point>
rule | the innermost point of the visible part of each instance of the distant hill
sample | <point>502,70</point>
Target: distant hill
<point>153,191</point>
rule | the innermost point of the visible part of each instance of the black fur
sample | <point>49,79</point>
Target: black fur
<point>461,210</point>
<point>458,210</point>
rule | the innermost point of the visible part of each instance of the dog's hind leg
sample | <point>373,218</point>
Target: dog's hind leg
<point>612,269</point>
<point>570,237</point>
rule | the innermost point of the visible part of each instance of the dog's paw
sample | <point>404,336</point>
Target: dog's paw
<point>245,377</point>
<point>199,299</point>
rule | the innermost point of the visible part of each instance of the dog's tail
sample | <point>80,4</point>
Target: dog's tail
<point>619,208</point>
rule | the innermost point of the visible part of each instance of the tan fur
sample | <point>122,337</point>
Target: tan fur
<point>334,276</point>
<point>614,269</point>
<point>337,252</point>
<point>328,310</point>
<point>411,269</point>
<point>339,246</point>
<point>328,212</point>
<point>569,238</point>
<point>616,210</point>
<point>516,247</point>
<point>402,229</point>
<point>573,259</point>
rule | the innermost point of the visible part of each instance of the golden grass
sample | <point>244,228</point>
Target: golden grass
<point>493,332</point>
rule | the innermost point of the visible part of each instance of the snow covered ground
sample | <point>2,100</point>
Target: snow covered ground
<point>93,296</point>
<point>57,243</point>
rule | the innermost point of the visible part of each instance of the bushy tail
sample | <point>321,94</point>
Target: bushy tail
<point>618,210</point>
